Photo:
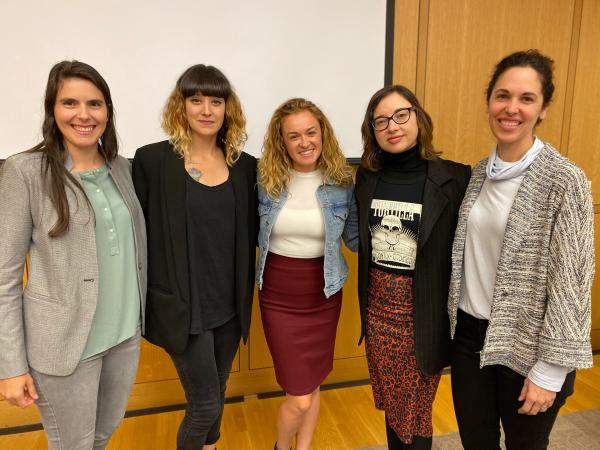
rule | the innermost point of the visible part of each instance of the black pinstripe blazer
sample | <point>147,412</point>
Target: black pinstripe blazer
<point>445,186</point>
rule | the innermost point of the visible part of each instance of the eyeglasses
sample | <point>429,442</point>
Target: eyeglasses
<point>400,116</point>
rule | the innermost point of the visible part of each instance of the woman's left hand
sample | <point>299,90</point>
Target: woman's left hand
<point>536,399</point>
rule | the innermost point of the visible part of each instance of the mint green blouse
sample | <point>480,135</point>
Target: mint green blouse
<point>117,314</point>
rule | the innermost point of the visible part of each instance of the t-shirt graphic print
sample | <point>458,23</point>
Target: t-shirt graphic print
<point>394,230</point>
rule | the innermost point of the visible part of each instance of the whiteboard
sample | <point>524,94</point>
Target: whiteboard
<point>329,51</point>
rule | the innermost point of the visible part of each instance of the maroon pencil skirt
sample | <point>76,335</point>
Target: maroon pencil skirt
<point>299,321</point>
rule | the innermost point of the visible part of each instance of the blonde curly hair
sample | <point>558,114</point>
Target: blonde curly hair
<point>208,81</point>
<point>275,164</point>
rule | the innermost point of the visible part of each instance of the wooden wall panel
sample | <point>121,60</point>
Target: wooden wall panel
<point>584,137</point>
<point>156,365</point>
<point>406,35</point>
<point>596,285</point>
<point>465,39</point>
<point>348,333</point>
<point>257,346</point>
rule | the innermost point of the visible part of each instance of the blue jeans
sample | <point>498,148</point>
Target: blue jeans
<point>81,411</point>
<point>203,370</point>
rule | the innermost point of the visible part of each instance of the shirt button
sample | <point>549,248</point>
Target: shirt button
<point>97,190</point>
<point>105,209</point>
<point>111,230</point>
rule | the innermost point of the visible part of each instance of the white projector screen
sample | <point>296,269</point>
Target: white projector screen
<point>329,51</point>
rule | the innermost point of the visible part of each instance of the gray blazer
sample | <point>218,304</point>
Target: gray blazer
<point>46,326</point>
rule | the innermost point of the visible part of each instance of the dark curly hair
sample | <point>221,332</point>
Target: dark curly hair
<point>539,62</point>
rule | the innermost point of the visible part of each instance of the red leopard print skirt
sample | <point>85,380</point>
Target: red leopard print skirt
<point>399,387</point>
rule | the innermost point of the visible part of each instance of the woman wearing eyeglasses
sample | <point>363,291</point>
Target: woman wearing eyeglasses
<point>408,201</point>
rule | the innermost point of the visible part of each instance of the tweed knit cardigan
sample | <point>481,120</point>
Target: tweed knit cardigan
<point>541,303</point>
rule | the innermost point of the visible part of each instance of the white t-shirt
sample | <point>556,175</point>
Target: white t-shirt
<point>299,231</point>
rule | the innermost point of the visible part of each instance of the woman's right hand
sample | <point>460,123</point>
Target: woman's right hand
<point>19,391</point>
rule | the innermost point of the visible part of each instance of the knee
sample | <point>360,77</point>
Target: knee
<point>203,409</point>
<point>301,404</point>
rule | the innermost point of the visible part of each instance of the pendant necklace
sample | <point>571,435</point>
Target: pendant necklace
<point>194,173</point>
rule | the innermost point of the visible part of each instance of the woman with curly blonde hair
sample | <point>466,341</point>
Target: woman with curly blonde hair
<point>306,207</point>
<point>197,191</point>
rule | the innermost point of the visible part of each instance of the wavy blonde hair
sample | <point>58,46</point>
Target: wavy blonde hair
<point>275,164</point>
<point>207,81</point>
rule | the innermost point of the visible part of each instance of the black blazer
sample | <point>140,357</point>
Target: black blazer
<point>445,187</point>
<point>159,180</point>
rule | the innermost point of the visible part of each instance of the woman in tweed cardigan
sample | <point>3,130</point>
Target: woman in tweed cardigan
<point>523,263</point>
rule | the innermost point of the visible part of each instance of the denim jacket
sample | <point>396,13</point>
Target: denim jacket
<point>341,221</point>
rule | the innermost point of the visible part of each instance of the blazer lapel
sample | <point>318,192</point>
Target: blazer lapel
<point>434,199</point>
<point>175,204</point>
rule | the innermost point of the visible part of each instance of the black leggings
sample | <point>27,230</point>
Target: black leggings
<point>394,443</point>
<point>203,370</point>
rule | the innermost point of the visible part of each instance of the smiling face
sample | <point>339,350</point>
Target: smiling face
<point>303,140</point>
<point>205,114</point>
<point>396,138</point>
<point>81,114</point>
<point>515,106</point>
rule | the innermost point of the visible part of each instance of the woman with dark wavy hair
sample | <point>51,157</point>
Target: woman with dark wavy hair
<point>522,271</point>
<point>71,338</point>
<point>198,193</point>
<point>408,200</point>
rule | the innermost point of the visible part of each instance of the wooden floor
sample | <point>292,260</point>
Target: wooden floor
<point>348,420</point>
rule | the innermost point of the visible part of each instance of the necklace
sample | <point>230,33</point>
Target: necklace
<point>194,173</point>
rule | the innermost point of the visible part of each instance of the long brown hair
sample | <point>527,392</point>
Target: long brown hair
<point>371,157</point>
<point>55,175</point>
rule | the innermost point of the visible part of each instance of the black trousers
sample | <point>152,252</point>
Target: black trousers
<point>485,397</point>
<point>203,370</point>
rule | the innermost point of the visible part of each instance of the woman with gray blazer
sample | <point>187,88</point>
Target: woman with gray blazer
<point>70,340</point>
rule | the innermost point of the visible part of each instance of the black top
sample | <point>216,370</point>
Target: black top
<point>211,253</point>
<point>395,213</point>
<point>445,184</point>
<point>159,178</point>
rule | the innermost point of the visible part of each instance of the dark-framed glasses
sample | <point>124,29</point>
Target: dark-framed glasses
<point>400,116</point>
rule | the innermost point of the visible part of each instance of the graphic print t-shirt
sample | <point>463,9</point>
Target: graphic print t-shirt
<point>394,219</point>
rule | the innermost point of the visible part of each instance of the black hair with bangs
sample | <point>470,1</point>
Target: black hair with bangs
<point>206,80</point>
